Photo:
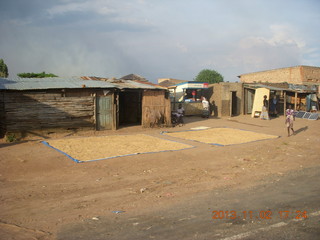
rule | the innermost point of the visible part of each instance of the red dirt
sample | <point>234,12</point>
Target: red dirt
<point>41,189</point>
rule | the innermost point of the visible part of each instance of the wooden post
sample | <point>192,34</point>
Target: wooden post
<point>230,102</point>
<point>295,101</point>
<point>284,102</point>
<point>117,107</point>
<point>95,111</point>
<point>114,110</point>
<point>174,99</point>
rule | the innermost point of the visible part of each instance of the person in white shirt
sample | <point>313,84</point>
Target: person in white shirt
<point>205,105</point>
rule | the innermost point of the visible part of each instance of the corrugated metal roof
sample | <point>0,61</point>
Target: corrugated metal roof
<point>127,84</point>
<point>71,82</point>
<point>291,87</point>
<point>255,86</point>
<point>134,77</point>
<point>303,87</point>
<point>51,83</point>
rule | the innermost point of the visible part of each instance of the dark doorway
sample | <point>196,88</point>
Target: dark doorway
<point>130,108</point>
<point>234,104</point>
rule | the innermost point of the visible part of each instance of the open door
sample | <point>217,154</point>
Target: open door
<point>130,107</point>
<point>258,100</point>
<point>249,97</point>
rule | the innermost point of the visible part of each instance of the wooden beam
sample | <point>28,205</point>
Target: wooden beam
<point>284,102</point>
<point>95,111</point>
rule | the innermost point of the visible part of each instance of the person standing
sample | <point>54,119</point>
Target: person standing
<point>205,106</point>
<point>264,112</point>
<point>273,106</point>
<point>290,117</point>
<point>193,95</point>
<point>180,113</point>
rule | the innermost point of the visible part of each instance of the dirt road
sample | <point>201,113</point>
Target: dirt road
<point>285,207</point>
<point>43,190</point>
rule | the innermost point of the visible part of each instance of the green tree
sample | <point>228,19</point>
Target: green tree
<point>36,75</point>
<point>209,76</point>
<point>3,69</point>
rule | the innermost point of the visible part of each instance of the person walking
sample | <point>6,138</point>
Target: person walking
<point>290,117</point>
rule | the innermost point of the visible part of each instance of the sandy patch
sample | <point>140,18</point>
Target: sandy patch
<point>96,148</point>
<point>221,136</point>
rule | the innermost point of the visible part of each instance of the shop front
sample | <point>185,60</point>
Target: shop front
<point>189,94</point>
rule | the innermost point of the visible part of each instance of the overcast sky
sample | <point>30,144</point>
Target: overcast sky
<point>158,38</point>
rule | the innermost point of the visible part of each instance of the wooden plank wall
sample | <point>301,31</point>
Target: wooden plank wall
<point>27,111</point>
<point>2,115</point>
<point>156,108</point>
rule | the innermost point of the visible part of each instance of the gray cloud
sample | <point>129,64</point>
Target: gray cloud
<point>154,39</point>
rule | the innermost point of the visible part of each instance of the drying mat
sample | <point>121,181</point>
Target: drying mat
<point>199,128</point>
<point>104,147</point>
<point>221,136</point>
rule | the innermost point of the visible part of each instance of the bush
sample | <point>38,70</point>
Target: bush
<point>11,137</point>
<point>36,75</point>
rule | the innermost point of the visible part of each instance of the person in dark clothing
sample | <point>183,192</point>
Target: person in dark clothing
<point>264,113</point>
<point>273,106</point>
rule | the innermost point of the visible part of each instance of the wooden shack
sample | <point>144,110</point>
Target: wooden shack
<point>28,105</point>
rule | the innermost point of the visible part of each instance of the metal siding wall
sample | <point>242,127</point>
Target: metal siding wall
<point>104,112</point>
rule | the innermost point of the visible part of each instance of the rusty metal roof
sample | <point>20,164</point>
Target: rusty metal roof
<point>134,77</point>
<point>72,82</point>
<point>127,84</point>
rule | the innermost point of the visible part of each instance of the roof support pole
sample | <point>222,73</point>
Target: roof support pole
<point>295,100</point>
<point>284,102</point>
<point>95,111</point>
<point>174,99</point>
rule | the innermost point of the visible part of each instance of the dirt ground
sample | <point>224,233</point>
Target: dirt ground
<point>42,189</point>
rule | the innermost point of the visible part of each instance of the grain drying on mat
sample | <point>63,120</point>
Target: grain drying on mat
<point>93,148</point>
<point>221,136</point>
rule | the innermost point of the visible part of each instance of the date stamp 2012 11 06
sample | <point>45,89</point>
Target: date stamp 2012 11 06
<point>219,214</point>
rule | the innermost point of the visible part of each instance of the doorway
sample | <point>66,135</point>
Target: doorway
<point>233,104</point>
<point>130,108</point>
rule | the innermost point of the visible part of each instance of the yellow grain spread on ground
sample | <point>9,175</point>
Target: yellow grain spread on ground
<point>222,136</point>
<point>93,148</point>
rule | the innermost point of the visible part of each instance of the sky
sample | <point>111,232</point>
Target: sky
<point>158,38</point>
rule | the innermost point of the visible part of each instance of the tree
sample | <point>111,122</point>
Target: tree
<point>3,69</point>
<point>36,75</point>
<point>209,76</point>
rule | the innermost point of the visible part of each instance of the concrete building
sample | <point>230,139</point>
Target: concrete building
<point>291,75</point>
<point>226,99</point>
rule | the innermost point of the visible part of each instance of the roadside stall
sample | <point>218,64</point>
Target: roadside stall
<point>189,95</point>
<point>302,98</point>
